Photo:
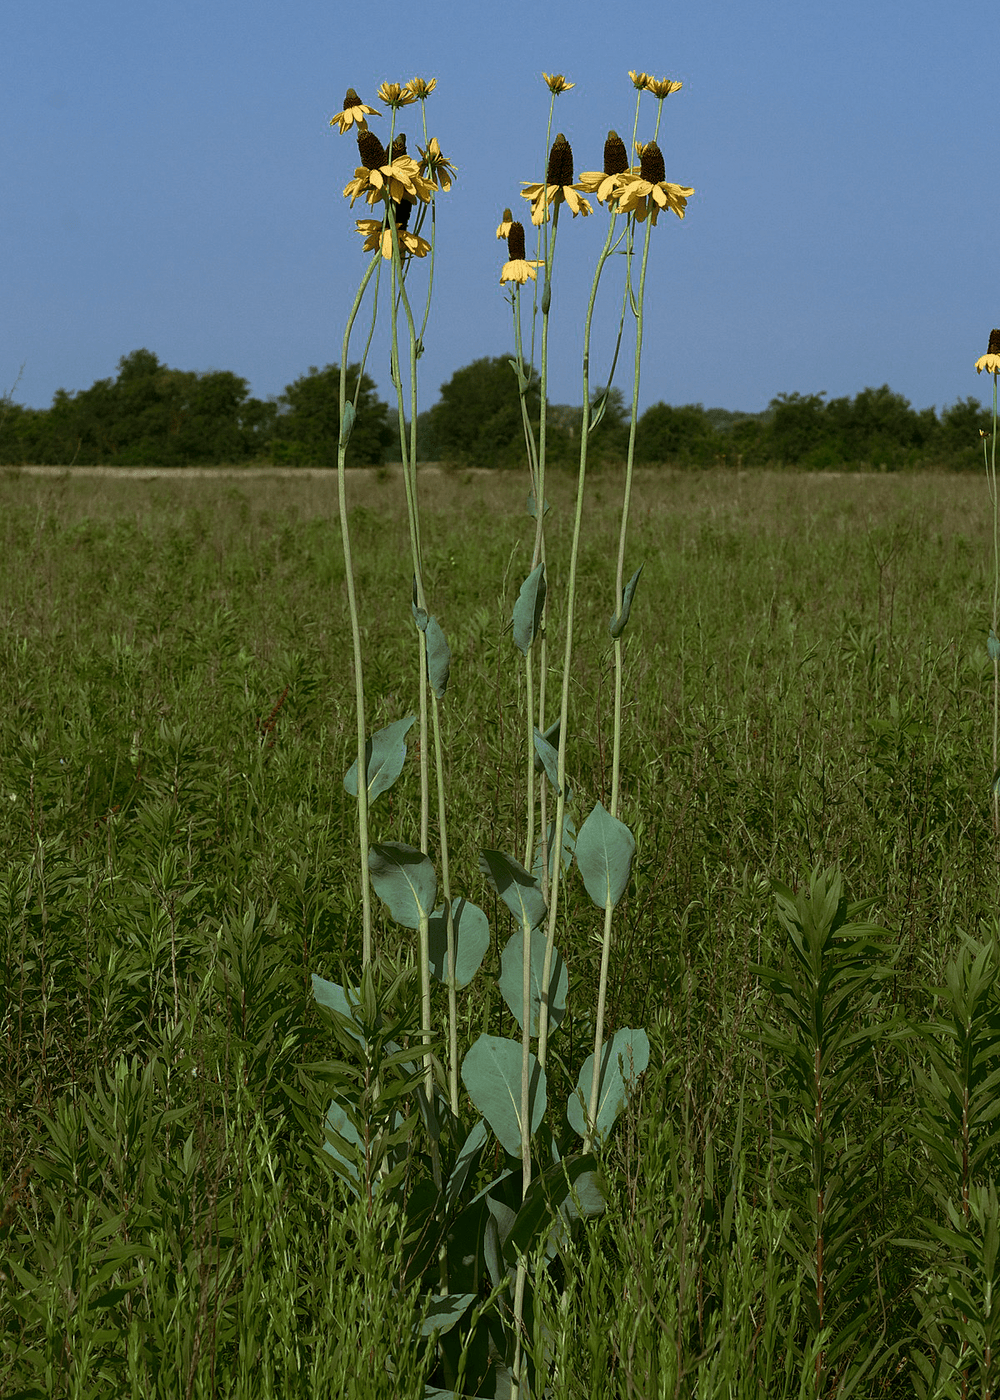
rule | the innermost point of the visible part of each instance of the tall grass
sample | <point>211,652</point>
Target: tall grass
<point>806,686</point>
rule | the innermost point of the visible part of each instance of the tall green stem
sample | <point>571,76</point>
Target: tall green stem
<point>557,837</point>
<point>352,604</point>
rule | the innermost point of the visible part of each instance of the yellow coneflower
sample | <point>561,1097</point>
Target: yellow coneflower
<point>379,235</point>
<point>662,87</point>
<point>649,192</point>
<point>517,268</point>
<point>558,187</point>
<point>505,224</point>
<point>378,175</point>
<point>354,113</point>
<point>639,80</point>
<point>396,94</point>
<point>555,82</point>
<point>990,362</point>
<point>435,167</point>
<point>421,88</point>
<point>609,183</point>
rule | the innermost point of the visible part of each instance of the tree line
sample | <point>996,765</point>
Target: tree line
<point>151,415</point>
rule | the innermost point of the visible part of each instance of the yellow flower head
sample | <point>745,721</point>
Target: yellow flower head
<point>354,111</point>
<point>609,183</point>
<point>393,95</point>
<point>555,82</point>
<point>558,187</point>
<point>396,176</point>
<point>662,87</point>
<point>504,226</point>
<point>649,192</point>
<point>639,80</point>
<point>379,235</point>
<point>990,362</point>
<point>421,88</point>
<point>518,268</point>
<point>434,167</point>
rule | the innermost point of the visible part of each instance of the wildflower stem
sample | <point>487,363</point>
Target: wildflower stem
<point>995,648</point>
<point>626,506</point>
<point>560,821</point>
<point>352,604</point>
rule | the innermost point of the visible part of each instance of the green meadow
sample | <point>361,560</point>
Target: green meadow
<point>807,691</point>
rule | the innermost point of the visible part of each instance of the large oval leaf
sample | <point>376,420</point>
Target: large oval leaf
<point>622,1061</point>
<point>472,938</point>
<point>528,608</point>
<point>516,887</point>
<point>491,1072</point>
<point>385,754</point>
<point>604,851</point>
<point>511,980</point>
<point>403,878</point>
<point>438,658</point>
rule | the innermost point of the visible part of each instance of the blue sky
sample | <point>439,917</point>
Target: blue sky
<point>171,181</point>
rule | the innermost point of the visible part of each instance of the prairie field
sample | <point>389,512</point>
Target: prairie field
<point>807,688</point>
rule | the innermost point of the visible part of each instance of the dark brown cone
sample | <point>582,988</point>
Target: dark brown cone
<point>399,145</point>
<point>402,209</point>
<point>994,346</point>
<point>651,165</point>
<point>515,242</point>
<point>352,99</point>
<point>371,150</point>
<point>615,155</point>
<point>560,171</point>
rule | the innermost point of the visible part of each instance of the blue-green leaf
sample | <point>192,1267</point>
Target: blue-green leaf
<point>622,1062</point>
<point>463,1162</point>
<point>604,851</point>
<point>511,980</point>
<point>518,890</point>
<point>597,411</point>
<point>533,507</point>
<point>491,1072</point>
<point>347,423</point>
<point>993,646</point>
<point>336,999</point>
<point>551,737</point>
<point>438,658</point>
<point>419,614</point>
<point>566,1191</point>
<point>385,754</point>
<point>472,938</point>
<point>568,847</point>
<point>528,609</point>
<point>549,758</point>
<point>620,620</point>
<point>403,878</point>
<point>444,1313</point>
<point>348,1153</point>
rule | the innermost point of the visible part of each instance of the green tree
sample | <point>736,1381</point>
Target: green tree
<point>677,435</point>
<point>798,426</point>
<point>477,420</point>
<point>307,425</point>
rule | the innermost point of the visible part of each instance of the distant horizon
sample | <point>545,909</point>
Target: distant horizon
<point>646,401</point>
